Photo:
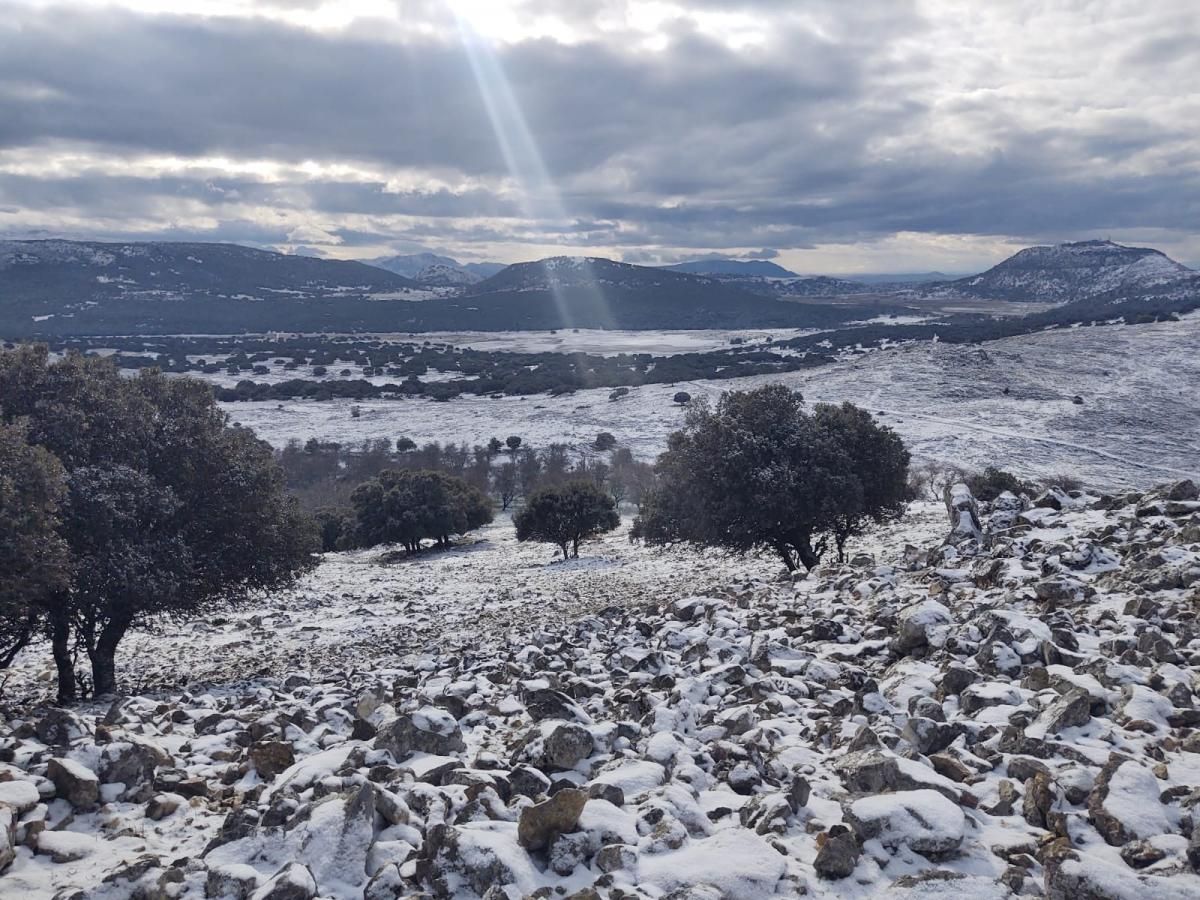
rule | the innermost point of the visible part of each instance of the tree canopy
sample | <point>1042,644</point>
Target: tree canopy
<point>759,472</point>
<point>167,510</point>
<point>567,515</point>
<point>403,506</point>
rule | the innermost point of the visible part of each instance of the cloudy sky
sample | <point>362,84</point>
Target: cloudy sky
<point>833,136</point>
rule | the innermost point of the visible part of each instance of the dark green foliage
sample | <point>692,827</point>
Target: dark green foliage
<point>407,507</point>
<point>335,528</point>
<point>567,515</point>
<point>404,444</point>
<point>682,398</point>
<point>879,463</point>
<point>513,442</point>
<point>495,445</point>
<point>757,472</point>
<point>992,482</point>
<point>168,511</point>
<point>34,563</point>
<point>604,442</point>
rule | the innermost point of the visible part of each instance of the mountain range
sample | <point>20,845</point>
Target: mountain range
<point>58,287</point>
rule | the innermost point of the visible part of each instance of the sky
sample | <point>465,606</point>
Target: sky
<point>829,136</point>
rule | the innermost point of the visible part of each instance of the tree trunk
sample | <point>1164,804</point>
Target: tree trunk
<point>60,642</point>
<point>565,549</point>
<point>808,556</point>
<point>786,555</point>
<point>104,657</point>
<point>575,548</point>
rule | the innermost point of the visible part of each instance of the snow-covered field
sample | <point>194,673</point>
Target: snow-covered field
<point>1009,403</point>
<point>600,342</point>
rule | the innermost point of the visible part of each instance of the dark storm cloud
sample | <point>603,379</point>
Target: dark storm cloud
<point>832,131</point>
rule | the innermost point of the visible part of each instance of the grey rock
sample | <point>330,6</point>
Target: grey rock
<point>837,854</point>
<point>538,824</point>
<point>567,744</point>
<point>428,731</point>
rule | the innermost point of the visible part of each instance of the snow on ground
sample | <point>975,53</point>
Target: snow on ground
<point>644,726</point>
<point>1138,422</point>
<point>602,342</point>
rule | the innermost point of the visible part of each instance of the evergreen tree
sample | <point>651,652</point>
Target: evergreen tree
<point>34,563</point>
<point>757,472</point>
<point>407,507</point>
<point>169,510</point>
<point>567,515</point>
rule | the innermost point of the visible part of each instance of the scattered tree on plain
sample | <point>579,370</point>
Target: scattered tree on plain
<point>567,515</point>
<point>513,442</point>
<point>168,510</point>
<point>758,472</point>
<point>604,442</point>
<point>683,398</point>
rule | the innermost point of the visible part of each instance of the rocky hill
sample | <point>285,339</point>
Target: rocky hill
<point>756,268</point>
<point>558,272</point>
<point>1002,704</point>
<point>1074,271</point>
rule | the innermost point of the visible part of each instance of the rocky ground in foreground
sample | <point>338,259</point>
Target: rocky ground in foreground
<point>1011,712</point>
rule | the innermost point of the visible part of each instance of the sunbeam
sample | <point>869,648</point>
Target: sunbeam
<point>539,197</point>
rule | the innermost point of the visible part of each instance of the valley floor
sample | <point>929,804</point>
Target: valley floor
<point>1010,403</point>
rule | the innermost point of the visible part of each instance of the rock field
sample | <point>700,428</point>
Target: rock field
<point>1002,702</point>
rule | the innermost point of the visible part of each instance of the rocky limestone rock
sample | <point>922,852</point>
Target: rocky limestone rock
<point>293,882</point>
<point>429,730</point>
<point>837,853</point>
<point>923,820</point>
<point>539,823</point>
<point>76,783</point>
<point>271,758</point>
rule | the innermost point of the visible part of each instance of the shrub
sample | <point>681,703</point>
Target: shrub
<point>567,515</point>
<point>757,472</point>
<point>513,442</point>
<point>683,398</point>
<point>604,442</point>
<point>992,482</point>
<point>407,507</point>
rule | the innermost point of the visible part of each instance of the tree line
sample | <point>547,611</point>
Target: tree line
<point>326,476</point>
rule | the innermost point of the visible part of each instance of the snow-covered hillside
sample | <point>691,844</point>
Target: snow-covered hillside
<point>1074,271</point>
<point>1011,713</point>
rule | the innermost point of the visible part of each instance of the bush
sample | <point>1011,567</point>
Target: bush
<point>407,507</point>
<point>992,482</point>
<point>759,473</point>
<point>683,398</point>
<point>567,515</point>
<point>604,442</point>
<point>513,442</point>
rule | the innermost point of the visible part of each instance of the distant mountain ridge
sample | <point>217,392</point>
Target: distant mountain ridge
<point>82,287</point>
<point>433,270</point>
<point>761,268</point>
<point>1073,271</point>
